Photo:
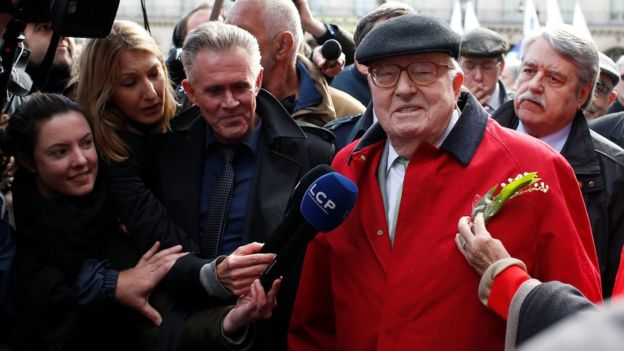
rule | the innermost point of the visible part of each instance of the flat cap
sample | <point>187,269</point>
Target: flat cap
<point>482,42</point>
<point>408,34</point>
<point>608,67</point>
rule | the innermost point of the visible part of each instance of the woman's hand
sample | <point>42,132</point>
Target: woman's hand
<point>135,285</point>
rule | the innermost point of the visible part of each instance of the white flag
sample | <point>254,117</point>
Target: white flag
<point>553,15</point>
<point>579,23</point>
<point>470,20</point>
<point>531,22</point>
<point>456,19</point>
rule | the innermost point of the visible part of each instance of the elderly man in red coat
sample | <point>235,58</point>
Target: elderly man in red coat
<point>390,277</point>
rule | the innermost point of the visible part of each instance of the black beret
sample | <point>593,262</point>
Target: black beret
<point>482,42</point>
<point>408,34</point>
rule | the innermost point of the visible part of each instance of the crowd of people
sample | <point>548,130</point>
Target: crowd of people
<point>138,189</point>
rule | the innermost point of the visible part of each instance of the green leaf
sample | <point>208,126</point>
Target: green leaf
<point>509,190</point>
<point>484,203</point>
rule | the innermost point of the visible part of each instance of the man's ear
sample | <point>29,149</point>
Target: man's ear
<point>360,67</point>
<point>258,81</point>
<point>457,83</point>
<point>285,44</point>
<point>501,68</point>
<point>612,97</point>
<point>583,95</point>
<point>188,89</point>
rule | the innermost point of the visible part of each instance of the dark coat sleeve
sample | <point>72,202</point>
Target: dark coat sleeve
<point>547,304</point>
<point>204,328</point>
<point>130,187</point>
<point>144,216</point>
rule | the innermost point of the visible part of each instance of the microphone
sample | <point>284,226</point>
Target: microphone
<point>325,205</point>
<point>331,51</point>
<point>293,218</point>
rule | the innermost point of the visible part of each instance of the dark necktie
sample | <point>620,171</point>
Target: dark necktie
<point>219,206</point>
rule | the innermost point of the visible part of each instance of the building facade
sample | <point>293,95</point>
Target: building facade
<point>605,18</point>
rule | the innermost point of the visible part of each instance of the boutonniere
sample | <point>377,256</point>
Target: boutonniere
<point>490,203</point>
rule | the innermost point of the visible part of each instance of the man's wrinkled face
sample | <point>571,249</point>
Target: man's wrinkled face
<point>224,88</point>
<point>409,110</point>
<point>481,74</point>
<point>549,94</point>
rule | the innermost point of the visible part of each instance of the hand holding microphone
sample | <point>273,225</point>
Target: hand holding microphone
<point>325,205</point>
<point>329,58</point>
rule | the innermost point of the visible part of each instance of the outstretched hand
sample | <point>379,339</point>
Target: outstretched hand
<point>135,285</point>
<point>477,245</point>
<point>309,23</point>
<point>238,270</point>
<point>252,307</point>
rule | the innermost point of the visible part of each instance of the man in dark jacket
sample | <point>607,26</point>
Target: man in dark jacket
<point>610,126</point>
<point>271,152</point>
<point>556,82</point>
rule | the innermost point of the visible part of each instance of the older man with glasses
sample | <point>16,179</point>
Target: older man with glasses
<point>390,277</point>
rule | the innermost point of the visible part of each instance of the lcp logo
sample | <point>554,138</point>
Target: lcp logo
<point>321,199</point>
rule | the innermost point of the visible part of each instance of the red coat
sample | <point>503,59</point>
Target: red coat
<point>358,293</point>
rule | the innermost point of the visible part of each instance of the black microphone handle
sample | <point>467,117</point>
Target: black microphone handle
<point>293,218</point>
<point>284,230</point>
<point>294,248</point>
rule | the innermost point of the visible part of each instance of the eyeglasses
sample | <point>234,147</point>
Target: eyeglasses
<point>420,73</point>
<point>603,88</point>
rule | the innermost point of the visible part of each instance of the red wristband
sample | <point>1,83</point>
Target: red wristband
<point>504,288</point>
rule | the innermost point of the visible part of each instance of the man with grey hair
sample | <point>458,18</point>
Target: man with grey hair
<point>228,168</point>
<point>291,78</point>
<point>557,76</point>
<point>389,277</point>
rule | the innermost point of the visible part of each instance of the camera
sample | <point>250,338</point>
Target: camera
<point>70,18</point>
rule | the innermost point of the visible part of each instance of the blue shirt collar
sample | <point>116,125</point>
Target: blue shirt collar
<point>308,94</point>
<point>252,141</point>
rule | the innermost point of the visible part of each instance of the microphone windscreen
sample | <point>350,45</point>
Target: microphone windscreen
<point>331,49</point>
<point>328,201</point>
<point>307,180</point>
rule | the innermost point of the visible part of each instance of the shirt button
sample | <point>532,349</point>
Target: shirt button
<point>362,157</point>
<point>379,232</point>
<point>591,183</point>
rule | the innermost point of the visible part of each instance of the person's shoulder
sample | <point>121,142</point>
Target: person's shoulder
<point>344,122</point>
<point>610,124</point>
<point>607,148</point>
<point>185,119</point>
<point>519,143</point>
<point>344,103</point>
<point>314,132</point>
